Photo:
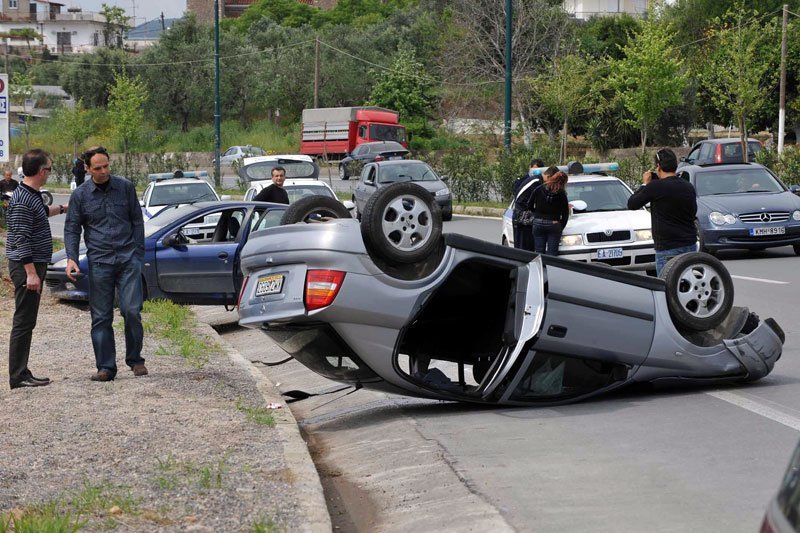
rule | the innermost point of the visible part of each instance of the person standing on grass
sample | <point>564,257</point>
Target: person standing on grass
<point>29,246</point>
<point>106,209</point>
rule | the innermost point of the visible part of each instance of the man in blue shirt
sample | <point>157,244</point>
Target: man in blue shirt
<point>107,210</point>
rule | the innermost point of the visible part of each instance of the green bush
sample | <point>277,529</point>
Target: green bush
<point>631,170</point>
<point>785,165</point>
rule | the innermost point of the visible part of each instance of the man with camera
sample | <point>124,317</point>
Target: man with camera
<point>673,208</point>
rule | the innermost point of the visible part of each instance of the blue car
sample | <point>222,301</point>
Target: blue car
<point>181,263</point>
<point>743,206</point>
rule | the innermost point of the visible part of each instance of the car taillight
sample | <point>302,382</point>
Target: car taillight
<point>766,526</point>
<point>241,292</point>
<point>322,286</point>
<point>379,158</point>
<point>718,154</point>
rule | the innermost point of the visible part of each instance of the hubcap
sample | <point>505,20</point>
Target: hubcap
<point>700,290</point>
<point>407,223</point>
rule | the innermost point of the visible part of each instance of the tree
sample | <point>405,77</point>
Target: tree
<point>404,87</point>
<point>604,37</point>
<point>86,77</point>
<point>649,78</point>
<point>126,101</point>
<point>20,91</point>
<point>73,124</point>
<point>116,23</point>
<point>739,71</point>
<point>566,92</point>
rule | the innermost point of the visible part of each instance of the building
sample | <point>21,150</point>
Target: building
<point>204,9</point>
<point>147,34</point>
<point>61,32</point>
<point>585,9</point>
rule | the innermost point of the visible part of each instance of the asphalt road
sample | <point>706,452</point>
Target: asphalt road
<point>670,459</point>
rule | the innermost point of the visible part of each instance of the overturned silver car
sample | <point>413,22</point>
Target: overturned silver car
<point>393,304</point>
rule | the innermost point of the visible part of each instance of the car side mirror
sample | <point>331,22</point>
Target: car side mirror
<point>444,178</point>
<point>175,239</point>
<point>795,189</point>
<point>683,159</point>
<point>225,197</point>
<point>578,206</point>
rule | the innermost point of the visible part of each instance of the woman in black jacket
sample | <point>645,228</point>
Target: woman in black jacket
<point>550,213</point>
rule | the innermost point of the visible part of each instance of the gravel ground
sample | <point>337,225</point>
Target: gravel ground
<point>172,451</point>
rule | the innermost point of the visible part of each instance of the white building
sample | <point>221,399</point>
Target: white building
<point>585,9</point>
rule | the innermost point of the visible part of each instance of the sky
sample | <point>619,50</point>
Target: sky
<point>145,9</point>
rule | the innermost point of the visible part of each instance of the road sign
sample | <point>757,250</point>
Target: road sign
<point>5,143</point>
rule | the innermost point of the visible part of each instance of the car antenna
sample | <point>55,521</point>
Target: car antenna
<point>297,395</point>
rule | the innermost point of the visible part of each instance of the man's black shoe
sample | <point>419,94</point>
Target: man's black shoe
<point>29,383</point>
<point>44,380</point>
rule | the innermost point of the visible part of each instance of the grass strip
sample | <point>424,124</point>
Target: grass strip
<point>176,324</point>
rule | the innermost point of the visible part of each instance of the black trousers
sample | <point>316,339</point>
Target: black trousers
<point>523,237</point>
<point>25,313</point>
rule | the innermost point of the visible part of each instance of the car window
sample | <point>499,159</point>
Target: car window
<point>384,132</point>
<point>362,131</point>
<point>371,175</point>
<point>693,154</point>
<point>166,217</point>
<point>182,193</point>
<point>296,192</point>
<point>736,181</point>
<point>267,219</point>
<point>406,172</point>
<point>294,169</point>
<point>361,150</point>
<point>146,194</point>
<point>706,152</point>
<point>249,194</point>
<point>608,195</point>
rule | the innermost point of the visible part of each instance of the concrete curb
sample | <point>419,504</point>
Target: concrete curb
<point>305,479</point>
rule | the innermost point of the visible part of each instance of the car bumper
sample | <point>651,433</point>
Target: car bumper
<point>638,257</point>
<point>445,203</point>
<point>728,238</point>
<point>63,288</point>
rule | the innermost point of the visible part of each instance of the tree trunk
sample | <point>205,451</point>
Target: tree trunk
<point>710,128</point>
<point>796,133</point>
<point>527,134</point>
<point>563,155</point>
<point>743,137</point>
<point>185,121</point>
<point>644,140</point>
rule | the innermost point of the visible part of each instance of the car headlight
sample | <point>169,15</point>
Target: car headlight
<point>720,219</point>
<point>571,240</point>
<point>443,192</point>
<point>644,235</point>
<point>796,215</point>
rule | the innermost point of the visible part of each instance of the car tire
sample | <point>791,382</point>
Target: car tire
<point>699,290</point>
<point>401,224</point>
<point>47,198</point>
<point>343,175</point>
<point>314,208</point>
<point>796,248</point>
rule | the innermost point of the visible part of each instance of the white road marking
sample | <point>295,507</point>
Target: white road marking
<point>762,280</point>
<point>757,408</point>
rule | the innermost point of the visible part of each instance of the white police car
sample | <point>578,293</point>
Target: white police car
<point>601,229</point>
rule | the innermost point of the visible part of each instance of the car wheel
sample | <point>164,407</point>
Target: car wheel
<point>699,290</point>
<point>315,208</point>
<point>47,198</point>
<point>343,175</point>
<point>357,213</point>
<point>796,249</point>
<point>401,223</point>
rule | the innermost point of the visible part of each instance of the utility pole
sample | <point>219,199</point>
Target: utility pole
<point>316,72</point>
<point>782,104</point>
<point>217,174</point>
<point>507,117</point>
<point>163,25</point>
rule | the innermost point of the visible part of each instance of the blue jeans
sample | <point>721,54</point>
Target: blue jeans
<point>662,256</point>
<point>546,236</point>
<point>126,278</point>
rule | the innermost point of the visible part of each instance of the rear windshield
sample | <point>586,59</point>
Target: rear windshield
<point>382,132</point>
<point>736,181</point>
<point>733,151</point>
<point>294,169</point>
<point>406,172</point>
<point>182,193</point>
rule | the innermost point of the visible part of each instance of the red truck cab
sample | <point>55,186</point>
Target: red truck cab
<point>336,131</point>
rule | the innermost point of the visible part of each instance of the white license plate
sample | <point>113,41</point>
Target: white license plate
<point>191,232</point>
<point>269,285</point>
<point>609,253</point>
<point>395,157</point>
<point>770,230</point>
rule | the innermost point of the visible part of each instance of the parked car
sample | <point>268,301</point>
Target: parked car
<point>237,153</point>
<point>299,188</point>
<point>393,304</point>
<point>783,510</point>
<point>716,151</point>
<point>368,152</point>
<point>297,166</point>
<point>744,206</point>
<point>180,264</point>
<point>601,228</point>
<point>176,188</point>
<point>379,174</point>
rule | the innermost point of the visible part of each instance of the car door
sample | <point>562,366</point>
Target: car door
<point>693,155</point>
<point>202,271</point>
<point>366,186</point>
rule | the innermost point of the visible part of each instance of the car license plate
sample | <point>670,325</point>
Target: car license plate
<point>269,285</point>
<point>395,157</point>
<point>609,253</point>
<point>191,232</point>
<point>771,230</point>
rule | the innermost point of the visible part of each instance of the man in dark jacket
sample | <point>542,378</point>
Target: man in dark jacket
<point>79,171</point>
<point>523,187</point>
<point>275,192</point>
<point>673,208</point>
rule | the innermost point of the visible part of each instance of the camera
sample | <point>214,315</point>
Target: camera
<point>653,175</point>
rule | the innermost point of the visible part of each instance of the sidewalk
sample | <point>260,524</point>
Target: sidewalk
<point>182,449</point>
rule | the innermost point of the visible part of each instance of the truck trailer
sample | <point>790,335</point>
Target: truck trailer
<point>336,131</point>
